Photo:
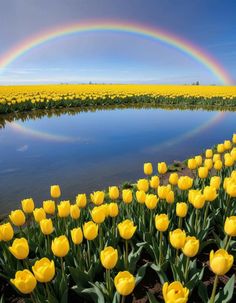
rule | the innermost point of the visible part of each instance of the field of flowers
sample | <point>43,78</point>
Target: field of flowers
<point>179,231</point>
<point>25,98</point>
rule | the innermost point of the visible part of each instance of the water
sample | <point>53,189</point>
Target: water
<point>89,151</point>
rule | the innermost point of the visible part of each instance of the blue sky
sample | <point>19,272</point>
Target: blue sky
<point>117,57</point>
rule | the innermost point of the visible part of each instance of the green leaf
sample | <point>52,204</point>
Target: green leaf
<point>116,298</point>
<point>202,292</point>
<point>225,295</point>
<point>141,273</point>
<point>95,293</point>
<point>161,274</point>
<point>151,298</point>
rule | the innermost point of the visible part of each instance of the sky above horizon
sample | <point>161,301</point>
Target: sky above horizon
<point>117,57</point>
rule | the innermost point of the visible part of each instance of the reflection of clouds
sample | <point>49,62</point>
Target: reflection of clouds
<point>23,148</point>
<point>8,171</point>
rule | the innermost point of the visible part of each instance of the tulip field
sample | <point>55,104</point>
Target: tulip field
<point>170,237</point>
<point>25,98</point>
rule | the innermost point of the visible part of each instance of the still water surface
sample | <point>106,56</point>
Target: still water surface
<point>92,150</point>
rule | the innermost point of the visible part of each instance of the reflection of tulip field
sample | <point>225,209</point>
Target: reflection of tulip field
<point>100,248</point>
<point>24,98</point>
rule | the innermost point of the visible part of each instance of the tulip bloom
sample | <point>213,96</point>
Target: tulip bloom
<point>162,222</point>
<point>230,226</point>
<point>98,214</point>
<point>173,178</point>
<point>185,183</point>
<point>39,214</point>
<point>203,172</point>
<point>198,160</point>
<point>74,212</point>
<point>124,283</point>
<point>220,262</point>
<point>109,257</point>
<point>162,168</point>
<point>177,238</point>
<point>143,184</point>
<point>151,201</point>
<point>209,153</point>
<point>24,281</point>
<point>127,229</point>
<point>60,246</point>
<point>27,205</point>
<point>46,226</point>
<point>113,210</point>
<point>97,197</point>
<point>163,191</point>
<point>6,232</point>
<point>175,292</point>
<point>210,193</point>
<point>147,168</point>
<point>90,230</point>
<point>140,196</point>
<point>81,200</point>
<point>49,207</point>
<point>181,209</point>
<point>154,182</point>
<point>192,164</point>
<point>127,196</point>
<point>63,209</point>
<point>218,165</point>
<point>44,270</point>
<point>17,217</point>
<point>55,191</point>
<point>215,182</point>
<point>20,248</point>
<point>191,247</point>
<point>76,235</point>
<point>113,192</point>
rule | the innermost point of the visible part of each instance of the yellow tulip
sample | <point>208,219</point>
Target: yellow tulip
<point>203,172</point>
<point>127,196</point>
<point>126,229</point>
<point>55,191</point>
<point>227,144</point>
<point>90,230</point>
<point>74,211</point>
<point>143,184</point>
<point>209,153</point>
<point>210,193</point>
<point>27,205</point>
<point>229,161</point>
<point>181,209</point>
<point>175,292</point>
<point>17,217</point>
<point>46,226</point>
<point>39,214</point>
<point>44,270</point>
<point>173,178</point>
<point>147,167</point>
<point>208,163</point>
<point>192,163</point>
<point>218,165</point>
<point>230,226</point>
<point>162,167</point>
<point>234,138</point>
<point>198,160</point>
<point>215,182</point>
<point>6,232</point>
<point>220,262</point>
<point>231,189</point>
<point>162,191</point>
<point>113,192</point>
<point>20,248</point>
<point>140,196</point>
<point>192,194</point>
<point>49,207</point>
<point>60,246</point>
<point>151,201</point>
<point>170,197</point>
<point>162,222</point>
<point>191,247</point>
<point>154,182</point>
<point>109,257</point>
<point>81,200</point>
<point>63,209</point>
<point>177,238</point>
<point>124,283</point>
<point>24,281</point>
<point>199,201</point>
<point>97,197</point>
<point>98,214</point>
<point>216,157</point>
<point>220,148</point>
<point>113,210</point>
<point>185,182</point>
<point>76,235</point>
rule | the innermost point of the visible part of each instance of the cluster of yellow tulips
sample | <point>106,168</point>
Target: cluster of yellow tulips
<point>22,98</point>
<point>100,246</point>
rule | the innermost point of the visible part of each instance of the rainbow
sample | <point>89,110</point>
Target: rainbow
<point>160,35</point>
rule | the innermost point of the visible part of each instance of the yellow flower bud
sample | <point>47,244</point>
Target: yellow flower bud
<point>199,201</point>
<point>109,257</point>
<point>177,238</point>
<point>208,163</point>
<point>192,194</point>
<point>230,226</point>
<point>98,214</point>
<point>126,229</point>
<point>191,247</point>
<point>81,200</point>
<point>210,193</point>
<point>17,217</point>
<point>170,197</point>
<point>147,168</point>
<point>162,222</point>
<point>175,292</point>
<point>208,153</point>
<point>24,281</point>
<point>220,262</point>
<point>198,160</point>
<point>46,226</point>
<point>216,157</point>
<point>162,167</point>
<point>49,207</point>
<point>113,210</point>
<point>233,153</point>
<point>76,235</point>
<point>143,184</point>
<point>231,189</point>
<point>124,283</point>
<point>151,201</point>
<point>162,191</point>
<point>27,205</point>
<point>227,144</point>
<point>185,183</point>
<point>203,172</point>
<point>229,161</point>
<point>113,192</point>
<point>218,165</point>
<point>63,209</point>
<point>181,209</point>
<point>39,214</point>
<point>6,232</point>
<point>55,191</point>
<point>20,248</point>
<point>173,178</point>
<point>127,196</point>
<point>154,182</point>
<point>140,196</point>
<point>44,270</point>
<point>60,246</point>
<point>234,138</point>
<point>220,148</point>
<point>215,182</point>
<point>90,230</point>
<point>97,197</point>
<point>192,163</point>
<point>74,211</point>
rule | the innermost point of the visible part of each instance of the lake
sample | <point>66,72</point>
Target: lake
<point>92,150</point>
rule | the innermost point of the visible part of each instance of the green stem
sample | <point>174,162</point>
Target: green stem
<point>126,254</point>
<point>48,290</point>
<point>160,248</point>
<point>205,214</point>
<point>227,243</point>
<point>176,256</point>
<point>180,222</point>
<point>196,221</point>
<point>123,299</point>
<point>212,299</point>
<point>186,269</point>
<point>151,223</point>
<point>89,256</point>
